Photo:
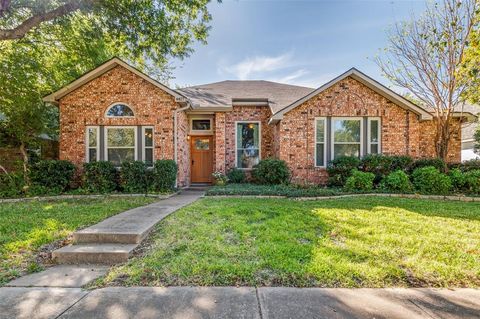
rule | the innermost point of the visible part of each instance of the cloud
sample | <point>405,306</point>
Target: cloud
<point>292,77</point>
<point>258,65</point>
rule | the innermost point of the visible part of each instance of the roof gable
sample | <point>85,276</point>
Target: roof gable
<point>102,69</point>
<point>365,80</point>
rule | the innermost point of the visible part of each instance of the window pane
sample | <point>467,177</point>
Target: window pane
<point>118,155</point>
<point>320,131</point>
<point>92,154</point>
<point>320,155</point>
<point>247,135</point>
<point>346,150</point>
<point>201,125</point>
<point>149,156</point>
<point>120,137</point>
<point>247,158</point>
<point>346,130</point>
<point>374,131</point>
<point>120,110</point>
<point>202,144</point>
<point>374,148</point>
<point>148,137</point>
<point>92,137</point>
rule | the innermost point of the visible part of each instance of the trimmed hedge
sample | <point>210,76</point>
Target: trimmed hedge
<point>271,171</point>
<point>438,163</point>
<point>472,182</point>
<point>100,177</point>
<point>359,181</point>
<point>164,175</point>
<point>51,176</point>
<point>134,177</point>
<point>236,176</point>
<point>396,182</point>
<point>430,181</point>
<point>340,169</point>
<point>11,185</point>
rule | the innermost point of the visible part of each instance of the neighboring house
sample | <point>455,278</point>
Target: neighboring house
<point>468,131</point>
<point>117,113</point>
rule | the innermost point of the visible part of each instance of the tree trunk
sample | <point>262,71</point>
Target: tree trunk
<point>442,137</point>
<point>23,150</point>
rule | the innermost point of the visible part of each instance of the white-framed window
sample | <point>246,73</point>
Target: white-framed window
<point>347,136</point>
<point>119,110</point>
<point>320,142</point>
<point>120,144</point>
<point>147,151</point>
<point>247,144</point>
<point>374,135</point>
<point>200,124</point>
<point>92,144</point>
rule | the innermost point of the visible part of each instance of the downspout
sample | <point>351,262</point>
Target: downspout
<point>175,132</point>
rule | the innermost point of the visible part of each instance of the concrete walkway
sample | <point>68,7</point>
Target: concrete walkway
<point>243,302</point>
<point>114,239</point>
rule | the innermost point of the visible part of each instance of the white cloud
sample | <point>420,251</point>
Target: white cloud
<point>292,77</point>
<point>258,65</point>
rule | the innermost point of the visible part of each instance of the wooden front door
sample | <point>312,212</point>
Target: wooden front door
<point>202,158</point>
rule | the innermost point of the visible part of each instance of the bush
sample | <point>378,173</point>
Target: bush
<point>401,162</point>
<point>359,181</point>
<point>220,178</point>
<point>378,164</point>
<point>436,162</point>
<point>51,176</point>
<point>340,169</point>
<point>457,178</point>
<point>134,177</point>
<point>429,180</point>
<point>396,182</point>
<point>164,175</point>
<point>271,171</point>
<point>469,165</point>
<point>100,177</point>
<point>472,181</point>
<point>236,176</point>
<point>11,185</point>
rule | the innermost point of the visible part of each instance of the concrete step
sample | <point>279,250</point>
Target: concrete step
<point>92,236</point>
<point>107,254</point>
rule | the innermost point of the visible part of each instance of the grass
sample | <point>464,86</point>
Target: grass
<point>27,226</point>
<point>348,242</point>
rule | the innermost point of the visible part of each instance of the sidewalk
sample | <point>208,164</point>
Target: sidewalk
<point>243,302</point>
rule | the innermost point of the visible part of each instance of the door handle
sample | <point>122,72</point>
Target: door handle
<point>193,162</point>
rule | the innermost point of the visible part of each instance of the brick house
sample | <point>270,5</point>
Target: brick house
<point>115,113</point>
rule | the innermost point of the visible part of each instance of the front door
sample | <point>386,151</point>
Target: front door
<point>202,159</point>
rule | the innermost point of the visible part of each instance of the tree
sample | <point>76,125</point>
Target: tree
<point>424,56</point>
<point>153,29</point>
<point>470,70</point>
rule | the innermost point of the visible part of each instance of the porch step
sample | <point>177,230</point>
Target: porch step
<point>199,186</point>
<point>93,253</point>
<point>88,236</point>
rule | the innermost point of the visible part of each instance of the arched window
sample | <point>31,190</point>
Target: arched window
<point>119,110</point>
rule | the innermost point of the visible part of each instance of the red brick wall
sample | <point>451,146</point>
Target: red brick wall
<point>402,133</point>
<point>87,105</point>
<point>225,134</point>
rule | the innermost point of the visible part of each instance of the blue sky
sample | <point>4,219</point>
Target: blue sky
<point>297,42</point>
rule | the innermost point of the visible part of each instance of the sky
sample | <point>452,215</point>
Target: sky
<point>300,42</point>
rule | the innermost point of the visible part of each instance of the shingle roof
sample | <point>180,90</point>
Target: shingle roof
<point>468,130</point>
<point>221,94</point>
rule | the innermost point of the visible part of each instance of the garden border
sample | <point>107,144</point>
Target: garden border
<point>93,196</point>
<point>411,196</point>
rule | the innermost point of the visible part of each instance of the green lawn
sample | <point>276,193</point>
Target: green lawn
<point>25,227</point>
<point>348,242</point>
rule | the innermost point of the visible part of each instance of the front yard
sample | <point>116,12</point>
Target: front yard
<point>349,242</point>
<point>26,227</point>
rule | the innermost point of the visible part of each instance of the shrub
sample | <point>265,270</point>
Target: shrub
<point>378,164</point>
<point>164,175</point>
<point>457,178</point>
<point>359,181</point>
<point>100,177</point>
<point>51,176</point>
<point>340,169</point>
<point>271,171</point>
<point>397,182</point>
<point>472,181</point>
<point>236,176</point>
<point>429,180</point>
<point>11,185</point>
<point>401,162</point>
<point>220,179</point>
<point>134,177</point>
<point>469,165</point>
<point>436,162</point>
